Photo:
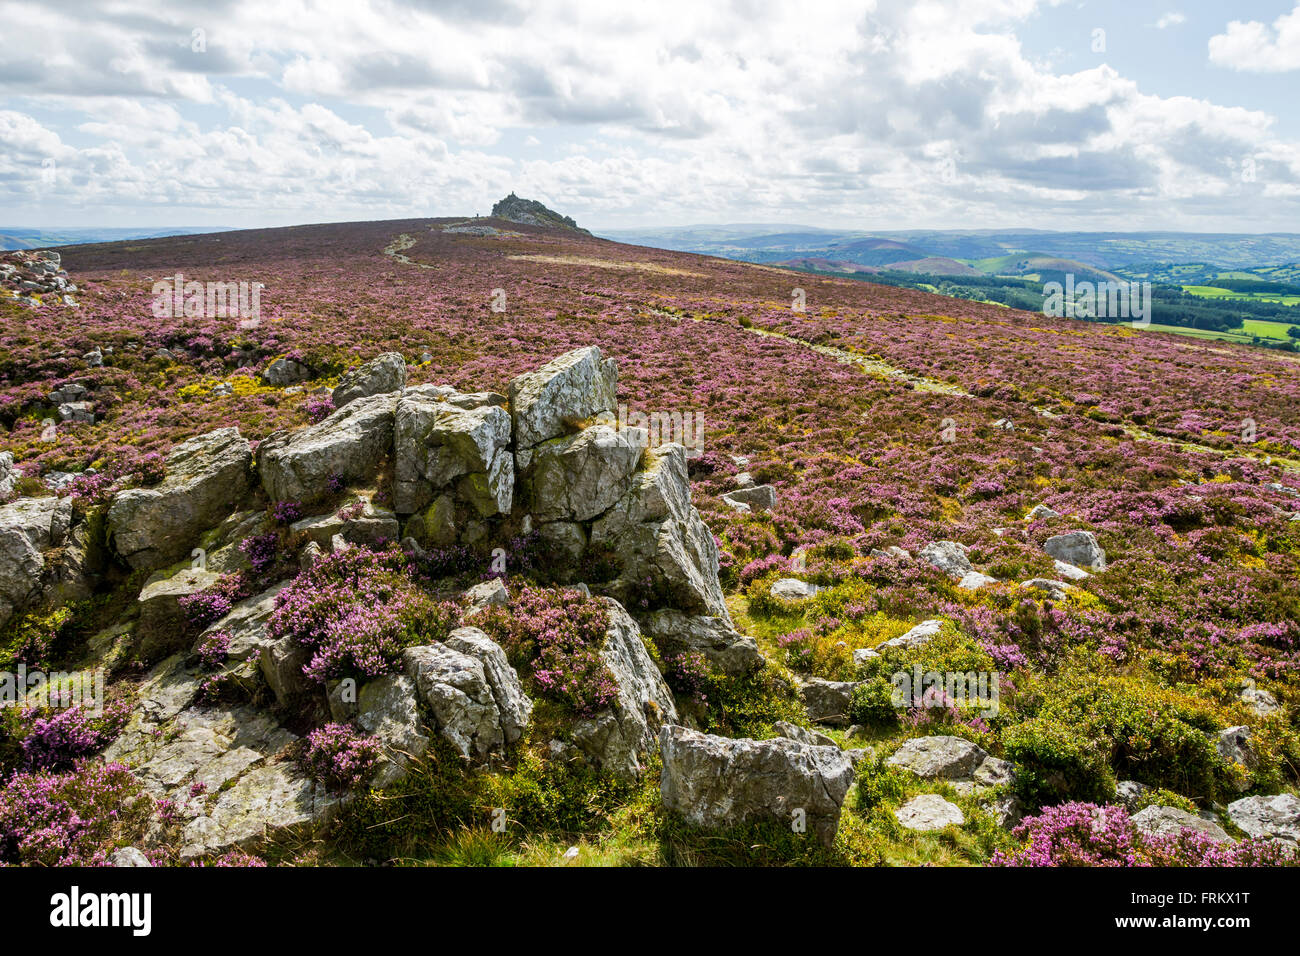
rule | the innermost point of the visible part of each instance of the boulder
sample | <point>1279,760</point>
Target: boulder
<point>576,386</point>
<point>974,580</point>
<point>921,634</point>
<point>263,802</point>
<point>792,589</point>
<point>1170,821</point>
<point>1052,589</point>
<point>387,709</point>
<point>948,557</point>
<point>725,649</point>
<point>128,856</point>
<point>1066,570</point>
<point>660,539</point>
<point>8,475</point>
<point>1234,745</point>
<point>386,373</point>
<point>1077,548</point>
<point>827,701</point>
<point>162,629</point>
<point>803,735</point>
<point>283,372</point>
<point>455,688</point>
<point>207,478</point>
<point>488,594</point>
<point>347,446</point>
<point>512,703</point>
<point>928,812</point>
<point>1268,818</point>
<point>1260,701</point>
<point>441,448</point>
<point>715,782</point>
<point>578,477</point>
<point>938,758</point>
<point>1041,512</point>
<point>29,529</point>
<point>755,497</point>
<point>617,739</point>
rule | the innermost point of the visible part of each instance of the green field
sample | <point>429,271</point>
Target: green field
<point>1213,292</point>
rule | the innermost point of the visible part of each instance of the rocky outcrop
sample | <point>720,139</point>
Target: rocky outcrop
<point>577,477</point>
<point>347,446</point>
<point>660,538</point>
<point>726,650</point>
<point>454,688</point>
<point>207,478</point>
<point>717,782</point>
<point>443,447</point>
<point>30,528</point>
<point>549,402</point>
<point>385,373</point>
<point>387,709</point>
<point>617,739</point>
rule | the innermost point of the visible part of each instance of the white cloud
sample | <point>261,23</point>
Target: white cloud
<point>1256,47</point>
<point>1171,19</point>
<point>910,112</point>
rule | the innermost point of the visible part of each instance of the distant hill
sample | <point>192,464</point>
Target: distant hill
<point>17,237</point>
<point>530,212</point>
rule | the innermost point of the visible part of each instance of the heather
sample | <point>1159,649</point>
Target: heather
<point>886,442</point>
<point>70,819</point>
<point>1085,834</point>
<point>555,636</point>
<point>354,612</point>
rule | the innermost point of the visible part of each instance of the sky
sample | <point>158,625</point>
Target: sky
<point>893,114</point>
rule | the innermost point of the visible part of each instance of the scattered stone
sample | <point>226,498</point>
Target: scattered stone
<point>948,557</point>
<point>1268,818</point>
<point>1078,548</point>
<point>756,497</point>
<point>1056,590</point>
<point>1041,512</point>
<point>827,701</point>
<point>1070,571</point>
<point>283,372</point>
<point>974,580</point>
<point>1129,793</point>
<point>921,634</point>
<point>1260,701</point>
<point>128,856</point>
<point>792,589</point>
<point>716,782</point>
<point>1170,821</point>
<point>1234,745</point>
<point>928,812</point>
<point>936,758</point>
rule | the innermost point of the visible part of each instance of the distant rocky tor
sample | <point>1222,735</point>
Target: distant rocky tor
<point>477,469</point>
<point>530,212</point>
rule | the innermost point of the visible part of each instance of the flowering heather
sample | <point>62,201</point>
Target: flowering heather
<point>70,819</point>
<point>1086,834</point>
<point>340,756</point>
<point>355,611</point>
<point>554,637</point>
<point>287,512</point>
<point>213,648</point>
<point>262,549</point>
<point>58,741</point>
<point>203,607</point>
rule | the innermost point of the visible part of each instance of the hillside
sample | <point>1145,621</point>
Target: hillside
<point>1100,521</point>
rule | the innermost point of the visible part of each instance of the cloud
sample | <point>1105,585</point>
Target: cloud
<point>889,112</point>
<point>1256,47</point>
<point>1171,19</point>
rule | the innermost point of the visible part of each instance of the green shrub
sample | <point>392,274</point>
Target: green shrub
<point>1055,762</point>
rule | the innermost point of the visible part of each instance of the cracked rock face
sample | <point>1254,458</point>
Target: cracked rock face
<point>618,739</point>
<point>385,373</point>
<point>442,447</point>
<point>578,477</point>
<point>659,536</point>
<point>455,689</point>
<point>348,445</point>
<point>716,782</point>
<point>29,528</point>
<point>207,478</point>
<point>573,387</point>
